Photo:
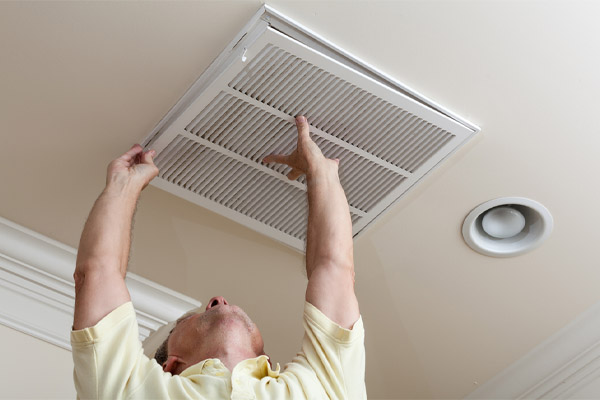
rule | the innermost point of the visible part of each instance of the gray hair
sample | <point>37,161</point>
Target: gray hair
<point>162,353</point>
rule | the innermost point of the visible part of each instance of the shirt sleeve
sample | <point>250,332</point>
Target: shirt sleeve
<point>336,355</point>
<point>109,362</point>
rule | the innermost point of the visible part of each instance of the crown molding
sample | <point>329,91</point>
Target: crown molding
<point>37,292</point>
<point>558,368</point>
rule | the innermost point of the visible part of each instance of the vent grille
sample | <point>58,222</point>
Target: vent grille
<point>211,144</point>
<point>296,87</point>
<point>232,184</point>
<point>252,133</point>
<point>242,128</point>
<point>223,180</point>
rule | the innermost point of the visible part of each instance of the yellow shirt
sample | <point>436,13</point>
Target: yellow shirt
<point>110,364</point>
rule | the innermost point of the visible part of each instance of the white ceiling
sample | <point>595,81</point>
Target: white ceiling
<point>80,82</point>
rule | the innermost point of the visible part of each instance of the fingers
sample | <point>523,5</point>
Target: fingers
<point>303,133</point>
<point>148,157</point>
<point>132,153</point>
<point>146,169</point>
<point>302,125</point>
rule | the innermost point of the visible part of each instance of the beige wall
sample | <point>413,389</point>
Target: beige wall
<point>23,357</point>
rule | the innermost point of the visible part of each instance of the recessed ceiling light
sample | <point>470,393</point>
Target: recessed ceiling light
<point>503,222</point>
<point>507,226</point>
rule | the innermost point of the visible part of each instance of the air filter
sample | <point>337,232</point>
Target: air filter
<point>242,108</point>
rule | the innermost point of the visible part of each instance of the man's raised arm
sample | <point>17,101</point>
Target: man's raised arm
<point>329,249</point>
<point>103,251</point>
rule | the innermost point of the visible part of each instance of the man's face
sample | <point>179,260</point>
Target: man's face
<point>221,329</point>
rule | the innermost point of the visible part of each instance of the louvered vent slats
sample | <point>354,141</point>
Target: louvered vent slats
<point>358,175</point>
<point>343,110</point>
<point>232,184</point>
<point>211,145</point>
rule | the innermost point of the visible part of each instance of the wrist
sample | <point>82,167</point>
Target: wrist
<point>325,171</point>
<point>124,190</point>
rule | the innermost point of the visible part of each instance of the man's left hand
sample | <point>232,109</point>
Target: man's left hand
<point>134,168</point>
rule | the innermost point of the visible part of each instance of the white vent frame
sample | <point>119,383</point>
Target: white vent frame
<point>269,27</point>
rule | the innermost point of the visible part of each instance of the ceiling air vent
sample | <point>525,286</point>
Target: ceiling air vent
<point>242,108</point>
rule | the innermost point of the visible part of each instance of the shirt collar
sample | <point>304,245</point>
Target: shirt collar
<point>257,367</point>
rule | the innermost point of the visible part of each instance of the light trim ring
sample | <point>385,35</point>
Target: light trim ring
<point>538,226</point>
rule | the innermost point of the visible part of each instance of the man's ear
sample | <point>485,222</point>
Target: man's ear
<point>171,364</point>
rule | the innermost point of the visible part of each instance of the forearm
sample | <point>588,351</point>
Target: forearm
<point>329,233</point>
<point>105,240</point>
<point>329,258</point>
<point>104,246</point>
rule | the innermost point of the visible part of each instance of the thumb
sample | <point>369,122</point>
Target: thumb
<point>148,157</point>
<point>277,158</point>
<point>146,168</point>
<point>336,163</point>
<point>295,174</point>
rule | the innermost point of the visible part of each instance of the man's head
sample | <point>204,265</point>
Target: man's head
<point>223,331</point>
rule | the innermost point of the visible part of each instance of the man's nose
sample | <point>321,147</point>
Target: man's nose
<point>215,301</point>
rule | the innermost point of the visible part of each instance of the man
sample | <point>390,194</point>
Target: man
<point>217,354</point>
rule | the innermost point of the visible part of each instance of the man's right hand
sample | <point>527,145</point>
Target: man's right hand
<point>133,169</point>
<point>329,248</point>
<point>307,158</point>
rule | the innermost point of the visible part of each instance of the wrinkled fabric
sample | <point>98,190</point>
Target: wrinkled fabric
<point>110,364</point>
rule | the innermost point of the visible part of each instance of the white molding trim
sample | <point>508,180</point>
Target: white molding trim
<point>37,293</point>
<point>558,368</point>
